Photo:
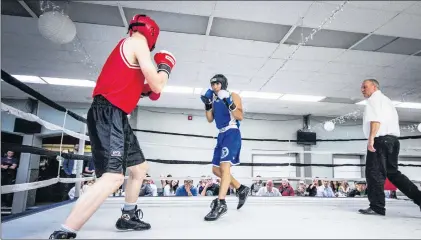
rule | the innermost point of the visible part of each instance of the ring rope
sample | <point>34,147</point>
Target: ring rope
<point>33,118</point>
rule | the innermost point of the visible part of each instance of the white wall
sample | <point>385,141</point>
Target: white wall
<point>198,149</point>
<point>258,126</point>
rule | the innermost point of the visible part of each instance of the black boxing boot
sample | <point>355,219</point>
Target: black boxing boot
<point>62,235</point>
<point>242,194</point>
<point>130,220</point>
<point>218,208</point>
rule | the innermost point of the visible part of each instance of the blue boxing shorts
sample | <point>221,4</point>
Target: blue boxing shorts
<point>228,147</point>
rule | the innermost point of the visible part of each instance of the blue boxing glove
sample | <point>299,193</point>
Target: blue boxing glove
<point>207,99</point>
<point>225,96</point>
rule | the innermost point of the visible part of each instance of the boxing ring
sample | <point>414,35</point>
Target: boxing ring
<point>260,218</point>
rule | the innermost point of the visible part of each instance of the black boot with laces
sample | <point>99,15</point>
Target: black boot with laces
<point>130,220</point>
<point>218,208</point>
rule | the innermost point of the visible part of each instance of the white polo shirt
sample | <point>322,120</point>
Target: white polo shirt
<point>380,108</point>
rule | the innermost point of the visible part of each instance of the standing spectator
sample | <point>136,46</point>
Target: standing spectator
<point>8,174</point>
<point>285,189</point>
<point>187,189</point>
<point>268,190</point>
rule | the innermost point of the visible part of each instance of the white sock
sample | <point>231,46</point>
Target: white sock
<point>129,206</point>
<point>67,229</point>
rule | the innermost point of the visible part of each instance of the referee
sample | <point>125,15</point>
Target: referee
<point>381,127</point>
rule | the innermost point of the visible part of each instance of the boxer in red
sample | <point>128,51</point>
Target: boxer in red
<point>114,146</point>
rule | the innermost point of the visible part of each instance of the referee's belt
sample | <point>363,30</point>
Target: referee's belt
<point>224,129</point>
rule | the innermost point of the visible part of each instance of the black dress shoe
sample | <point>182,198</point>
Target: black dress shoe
<point>370,211</point>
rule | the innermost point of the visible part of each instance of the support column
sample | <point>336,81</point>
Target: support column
<point>28,171</point>
<point>79,163</point>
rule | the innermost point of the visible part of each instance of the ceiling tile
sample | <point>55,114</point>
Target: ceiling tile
<point>239,47</point>
<point>370,58</point>
<point>415,9</point>
<point>411,62</point>
<point>325,38</point>
<point>398,72</point>
<point>354,69</point>
<point>282,12</point>
<point>359,20</point>
<point>283,51</point>
<point>403,25</point>
<point>13,8</point>
<point>180,40</point>
<point>173,22</point>
<point>404,46</point>
<point>374,43</point>
<point>419,54</point>
<point>393,6</point>
<point>307,66</point>
<point>269,68</point>
<point>317,53</point>
<point>203,8</point>
<point>292,76</point>
<point>104,15</point>
<point>247,30</point>
<point>336,78</point>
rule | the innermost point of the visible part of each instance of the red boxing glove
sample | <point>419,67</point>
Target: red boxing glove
<point>165,61</point>
<point>147,92</point>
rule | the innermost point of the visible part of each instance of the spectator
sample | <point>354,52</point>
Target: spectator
<point>170,189</point>
<point>89,168</point>
<point>312,188</point>
<point>301,189</point>
<point>146,189</point>
<point>255,187</point>
<point>268,190</point>
<point>360,190</point>
<point>201,183</point>
<point>165,182</point>
<point>8,174</point>
<point>152,185</point>
<point>343,190</point>
<point>210,188</point>
<point>285,189</point>
<point>187,189</point>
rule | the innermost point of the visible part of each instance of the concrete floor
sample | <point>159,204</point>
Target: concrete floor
<point>260,218</point>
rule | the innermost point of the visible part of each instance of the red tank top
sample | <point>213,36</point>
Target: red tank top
<point>120,82</point>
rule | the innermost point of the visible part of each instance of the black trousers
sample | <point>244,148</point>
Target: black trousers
<point>384,163</point>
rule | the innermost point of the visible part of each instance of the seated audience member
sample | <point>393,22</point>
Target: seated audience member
<point>201,183</point>
<point>285,189</point>
<point>210,189</point>
<point>187,189</point>
<point>255,187</point>
<point>170,189</point>
<point>312,188</point>
<point>324,189</point>
<point>301,189</point>
<point>153,186</point>
<point>343,189</point>
<point>165,182</point>
<point>360,190</point>
<point>146,189</point>
<point>268,190</point>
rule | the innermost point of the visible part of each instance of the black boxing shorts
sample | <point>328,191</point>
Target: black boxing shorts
<point>113,143</point>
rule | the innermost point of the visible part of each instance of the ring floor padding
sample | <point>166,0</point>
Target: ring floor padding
<point>260,218</point>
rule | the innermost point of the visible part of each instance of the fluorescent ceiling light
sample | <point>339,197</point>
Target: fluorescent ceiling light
<point>176,89</point>
<point>301,98</point>
<point>263,95</point>
<point>409,105</point>
<point>198,91</point>
<point>29,79</point>
<point>70,82</point>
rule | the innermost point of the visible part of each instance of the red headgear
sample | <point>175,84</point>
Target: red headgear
<point>147,27</point>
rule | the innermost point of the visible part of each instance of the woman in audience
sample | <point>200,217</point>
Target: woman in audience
<point>166,182</point>
<point>170,189</point>
<point>344,189</point>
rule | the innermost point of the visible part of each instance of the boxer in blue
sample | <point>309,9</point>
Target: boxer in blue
<point>226,109</point>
